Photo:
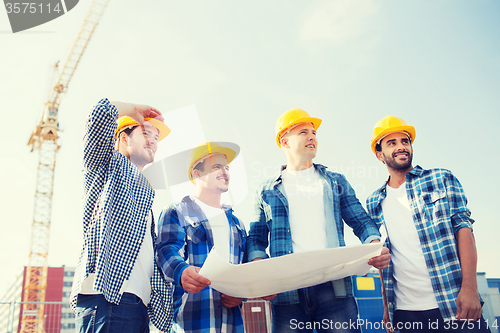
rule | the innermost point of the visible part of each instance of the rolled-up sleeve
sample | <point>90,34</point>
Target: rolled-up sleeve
<point>169,244</point>
<point>355,215</point>
<point>98,142</point>
<point>258,236</point>
<point>459,213</point>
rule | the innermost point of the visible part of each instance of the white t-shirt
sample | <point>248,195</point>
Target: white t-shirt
<point>304,192</point>
<point>139,282</point>
<point>412,283</point>
<point>220,228</point>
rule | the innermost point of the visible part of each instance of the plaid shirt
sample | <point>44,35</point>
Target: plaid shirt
<point>439,209</point>
<point>184,240</point>
<point>271,217</point>
<point>117,202</point>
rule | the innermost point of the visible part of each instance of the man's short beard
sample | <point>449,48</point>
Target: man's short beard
<point>391,163</point>
<point>223,189</point>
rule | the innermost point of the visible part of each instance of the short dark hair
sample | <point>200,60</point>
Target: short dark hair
<point>378,147</point>
<point>200,166</point>
<point>127,131</point>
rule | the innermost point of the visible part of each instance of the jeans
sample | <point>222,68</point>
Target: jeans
<point>432,321</point>
<point>317,309</point>
<point>95,314</point>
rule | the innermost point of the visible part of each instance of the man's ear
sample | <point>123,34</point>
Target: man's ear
<point>380,156</point>
<point>284,141</point>
<point>123,138</point>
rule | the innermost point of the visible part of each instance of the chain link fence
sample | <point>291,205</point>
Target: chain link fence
<point>58,317</point>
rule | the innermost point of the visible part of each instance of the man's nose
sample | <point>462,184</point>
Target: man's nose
<point>152,141</point>
<point>400,146</point>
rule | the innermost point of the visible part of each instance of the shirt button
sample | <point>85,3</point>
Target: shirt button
<point>288,230</point>
<point>289,251</point>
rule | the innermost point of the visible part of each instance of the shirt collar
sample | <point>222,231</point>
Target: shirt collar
<point>279,178</point>
<point>417,171</point>
<point>189,199</point>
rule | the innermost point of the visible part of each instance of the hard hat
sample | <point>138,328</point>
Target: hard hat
<point>293,117</point>
<point>388,125</point>
<point>206,149</point>
<point>128,122</point>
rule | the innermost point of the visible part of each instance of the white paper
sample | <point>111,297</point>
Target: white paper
<point>289,272</point>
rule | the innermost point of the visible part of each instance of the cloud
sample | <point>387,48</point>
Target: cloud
<point>337,20</point>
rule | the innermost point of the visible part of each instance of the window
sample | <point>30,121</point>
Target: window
<point>67,326</point>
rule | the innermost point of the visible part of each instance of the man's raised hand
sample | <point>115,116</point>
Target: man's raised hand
<point>137,111</point>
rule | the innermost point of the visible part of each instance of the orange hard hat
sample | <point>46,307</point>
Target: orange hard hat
<point>293,117</point>
<point>128,122</point>
<point>388,125</point>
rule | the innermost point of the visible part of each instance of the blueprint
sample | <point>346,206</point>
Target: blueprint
<point>289,272</point>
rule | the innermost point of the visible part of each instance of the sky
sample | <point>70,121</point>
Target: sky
<point>225,70</point>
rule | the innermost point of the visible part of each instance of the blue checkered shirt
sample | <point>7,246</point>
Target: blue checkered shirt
<point>185,238</point>
<point>117,202</point>
<point>439,209</point>
<point>270,222</point>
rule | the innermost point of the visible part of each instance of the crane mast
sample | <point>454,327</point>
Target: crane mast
<point>45,139</point>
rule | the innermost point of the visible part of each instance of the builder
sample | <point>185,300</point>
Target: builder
<point>430,284</point>
<point>301,210</point>
<point>188,231</point>
<point>117,284</point>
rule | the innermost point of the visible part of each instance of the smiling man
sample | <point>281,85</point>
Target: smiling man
<point>117,285</point>
<point>432,274</point>
<point>304,209</point>
<point>189,230</point>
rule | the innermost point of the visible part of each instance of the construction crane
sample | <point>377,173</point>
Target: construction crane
<point>45,139</point>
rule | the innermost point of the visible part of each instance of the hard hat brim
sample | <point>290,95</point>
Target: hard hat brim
<point>408,129</point>
<point>316,122</point>
<point>162,128</point>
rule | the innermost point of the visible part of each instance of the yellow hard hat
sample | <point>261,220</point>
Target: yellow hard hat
<point>293,117</point>
<point>128,122</point>
<point>388,125</point>
<point>206,149</point>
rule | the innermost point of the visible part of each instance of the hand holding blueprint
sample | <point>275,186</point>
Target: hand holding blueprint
<point>289,272</point>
